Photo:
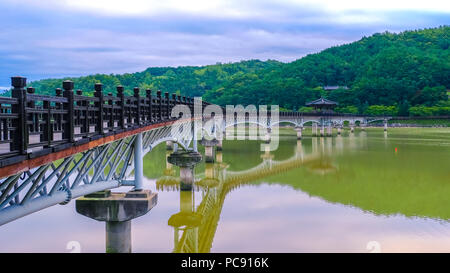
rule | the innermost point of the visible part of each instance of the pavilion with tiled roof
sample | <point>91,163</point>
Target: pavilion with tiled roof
<point>322,105</point>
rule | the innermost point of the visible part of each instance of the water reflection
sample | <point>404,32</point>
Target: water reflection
<point>315,194</point>
<point>323,159</point>
<point>195,226</point>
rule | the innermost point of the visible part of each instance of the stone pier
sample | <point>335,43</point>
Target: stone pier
<point>299,132</point>
<point>209,149</point>
<point>117,210</point>
<point>169,145</point>
<point>219,145</point>
<point>186,160</point>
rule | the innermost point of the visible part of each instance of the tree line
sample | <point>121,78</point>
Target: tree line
<point>394,74</point>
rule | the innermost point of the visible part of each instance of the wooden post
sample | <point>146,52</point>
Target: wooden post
<point>150,108</point>
<point>20,134</point>
<point>34,118</point>
<point>121,95</point>
<point>166,96</point>
<point>160,111</point>
<point>47,134</point>
<point>99,94</point>
<point>174,102</point>
<point>69,126</point>
<point>138,106</point>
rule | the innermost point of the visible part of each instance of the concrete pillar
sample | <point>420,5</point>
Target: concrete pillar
<point>219,157</point>
<point>169,170</point>
<point>138,163</point>
<point>186,160</point>
<point>322,145</point>
<point>339,130</point>
<point>209,154</point>
<point>322,131</point>
<point>169,145</point>
<point>314,146</point>
<point>329,130</point>
<point>118,237</point>
<point>186,219</point>
<point>314,129</point>
<point>352,127</point>
<point>186,178</point>
<point>209,170</point>
<point>299,151</point>
<point>267,136</point>
<point>117,210</point>
<point>385,125</point>
<point>209,149</point>
<point>219,145</point>
<point>299,132</point>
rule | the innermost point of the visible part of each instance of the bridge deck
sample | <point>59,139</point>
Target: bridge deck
<point>31,163</point>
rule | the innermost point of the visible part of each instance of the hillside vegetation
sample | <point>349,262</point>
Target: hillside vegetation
<point>396,74</point>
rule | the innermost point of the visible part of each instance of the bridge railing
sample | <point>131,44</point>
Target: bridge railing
<point>34,125</point>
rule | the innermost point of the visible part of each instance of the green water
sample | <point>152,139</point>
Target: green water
<point>404,173</point>
<point>352,193</point>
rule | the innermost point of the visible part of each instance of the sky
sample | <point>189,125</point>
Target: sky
<point>59,38</point>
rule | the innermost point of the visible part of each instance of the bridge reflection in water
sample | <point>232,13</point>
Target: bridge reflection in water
<point>194,226</point>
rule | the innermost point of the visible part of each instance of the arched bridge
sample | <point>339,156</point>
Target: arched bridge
<point>56,148</point>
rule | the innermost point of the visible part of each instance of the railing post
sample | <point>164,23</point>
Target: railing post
<point>166,96</point>
<point>174,102</point>
<point>99,94</point>
<point>69,126</point>
<point>138,105</point>
<point>34,118</point>
<point>47,134</point>
<point>58,117</point>
<point>160,111</point>
<point>121,95</point>
<point>110,113</point>
<point>150,108</point>
<point>20,138</point>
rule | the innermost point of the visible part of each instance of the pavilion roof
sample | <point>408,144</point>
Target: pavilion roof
<point>321,101</point>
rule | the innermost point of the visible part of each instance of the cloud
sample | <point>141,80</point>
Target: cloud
<point>50,38</point>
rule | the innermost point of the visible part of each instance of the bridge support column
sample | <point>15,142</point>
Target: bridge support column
<point>138,163</point>
<point>299,132</point>
<point>219,145</point>
<point>329,130</point>
<point>352,128</point>
<point>219,157</point>
<point>169,145</point>
<point>299,151</point>
<point>339,130</point>
<point>385,125</point>
<point>168,171</point>
<point>322,131</point>
<point>117,210</point>
<point>209,149</point>
<point>267,136</point>
<point>186,160</point>
<point>314,129</point>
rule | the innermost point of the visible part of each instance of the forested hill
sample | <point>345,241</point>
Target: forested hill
<point>401,70</point>
<point>185,80</point>
<point>400,73</point>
